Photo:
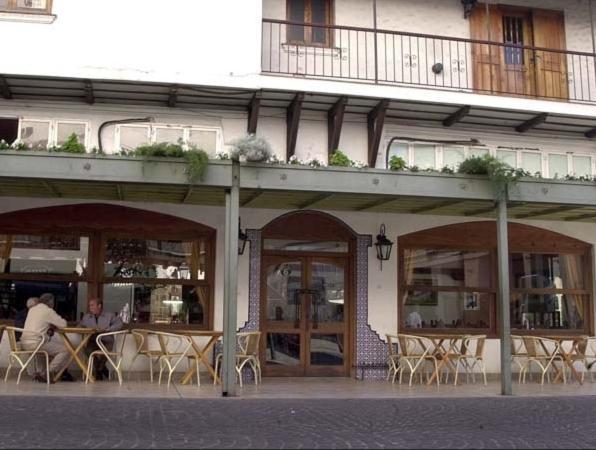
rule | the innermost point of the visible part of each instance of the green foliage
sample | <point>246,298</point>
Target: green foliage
<point>414,169</point>
<point>340,159</point>
<point>500,173</point>
<point>447,169</point>
<point>197,161</point>
<point>72,145</point>
<point>160,150</point>
<point>251,148</point>
<point>397,163</point>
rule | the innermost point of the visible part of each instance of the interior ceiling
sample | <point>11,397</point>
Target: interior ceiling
<point>78,90</point>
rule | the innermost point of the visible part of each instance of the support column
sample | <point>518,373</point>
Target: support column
<point>504,307</point>
<point>230,312</point>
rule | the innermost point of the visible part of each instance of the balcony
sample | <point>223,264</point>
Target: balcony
<point>432,62</point>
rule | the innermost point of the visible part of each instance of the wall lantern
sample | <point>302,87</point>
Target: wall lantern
<point>468,7</point>
<point>242,239</point>
<point>383,246</point>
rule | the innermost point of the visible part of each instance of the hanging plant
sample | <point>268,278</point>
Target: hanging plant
<point>340,159</point>
<point>71,145</point>
<point>397,163</point>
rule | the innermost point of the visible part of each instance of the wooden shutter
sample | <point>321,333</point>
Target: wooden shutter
<point>487,59</point>
<point>551,67</point>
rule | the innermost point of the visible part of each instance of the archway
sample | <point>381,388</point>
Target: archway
<point>161,266</point>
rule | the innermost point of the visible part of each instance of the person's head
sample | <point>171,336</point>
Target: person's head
<point>31,302</point>
<point>95,306</point>
<point>47,299</point>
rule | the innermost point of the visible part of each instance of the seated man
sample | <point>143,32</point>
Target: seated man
<point>103,322</point>
<point>41,318</point>
<point>21,317</point>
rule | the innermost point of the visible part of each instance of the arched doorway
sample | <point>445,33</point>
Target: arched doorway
<point>161,266</point>
<point>307,290</point>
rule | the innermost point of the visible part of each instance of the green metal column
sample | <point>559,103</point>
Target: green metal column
<point>230,312</point>
<point>504,308</point>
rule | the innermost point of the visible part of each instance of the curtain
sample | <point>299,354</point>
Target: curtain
<point>409,257</point>
<point>192,251</point>
<point>5,251</point>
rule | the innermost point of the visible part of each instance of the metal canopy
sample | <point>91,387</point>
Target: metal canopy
<point>97,91</point>
<point>112,178</point>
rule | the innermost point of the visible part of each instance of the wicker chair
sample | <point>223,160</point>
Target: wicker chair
<point>248,353</point>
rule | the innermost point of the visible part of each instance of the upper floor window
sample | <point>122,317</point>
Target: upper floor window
<point>310,11</point>
<point>26,6</point>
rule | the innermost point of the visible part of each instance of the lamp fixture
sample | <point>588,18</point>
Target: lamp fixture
<point>383,246</point>
<point>242,239</point>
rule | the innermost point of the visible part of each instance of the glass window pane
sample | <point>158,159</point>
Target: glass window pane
<point>582,166</point>
<point>3,4</point>
<point>327,349</point>
<point>152,258</point>
<point>547,271</point>
<point>532,162</point>
<point>548,311</point>
<point>440,309</point>
<point>424,156</point>
<point>447,268</point>
<point>35,134</point>
<point>508,157</point>
<point>159,304</point>
<point>478,151</point>
<point>204,139</point>
<point>296,13</point>
<point>55,254</point>
<point>132,137</point>
<point>283,283</point>
<point>283,349</point>
<point>319,15</point>
<point>327,305</point>
<point>66,129</point>
<point>453,156</point>
<point>70,299</point>
<point>300,246</point>
<point>557,166</point>
<point>398,149</point>
<point>170,135</point>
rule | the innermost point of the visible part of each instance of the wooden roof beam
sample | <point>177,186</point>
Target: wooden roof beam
<point>251,199</point>
<point>253,113</point>
<point>5,89</point>
<point>376,121</point>
<point>546,212</point>
<point>375,204</point>
<point>89,94</point>
<point>532,123</point>
<point>173,96</point>
<point>335,121</point>
<point>457,116</point>
<point>428,208</point>
<point>293,121</point>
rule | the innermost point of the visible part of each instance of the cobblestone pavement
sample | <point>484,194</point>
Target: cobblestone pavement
<point>57,422</point>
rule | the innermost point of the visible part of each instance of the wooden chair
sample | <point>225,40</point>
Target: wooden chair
<point>414,352</point>
<point>471,355</point>
<point>143,349</point>
<point>519,355</point>
<point>393,359</point>
<point>25,357</point>
<point>170,360</point>
<point>247,353</point>
<point>113,357</point>
<point>543,353</point>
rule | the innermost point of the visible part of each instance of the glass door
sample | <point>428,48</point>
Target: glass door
<point>304,316</point>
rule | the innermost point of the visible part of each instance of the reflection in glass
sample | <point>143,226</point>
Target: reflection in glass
<point>326,349</point>
<point>582,166</point>
<point>424,156</point>
<point>159,304</point>
<point>306,246</point>
<point>508,157</point>
<point>557,166</point>
<point>50,254</point>
<point>548,311</point>
<point>453,156</point>
<point>35,134</point>
<point>447,268</point>
<point>70,299</point>
<point>441,309</point>
<point>150,258</point>
<point>283,349</point>
<point>284,282</point>
<point>327,298</point>
<point>546,271</point>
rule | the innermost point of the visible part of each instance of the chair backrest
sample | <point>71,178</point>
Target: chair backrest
<point>473,345</point>
<point>248,342</point>
<point>182,343</point>
<point>414,345</point>
<point>590,351</point>
<point>539,346</point>
<point>392,345</point>
<point>518,346</point>
<point>118,343</point>
<point>143,342</point>
<point>13,343</point>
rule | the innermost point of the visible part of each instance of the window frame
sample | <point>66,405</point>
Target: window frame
<point>11,7</point>
<point>36,120</point>
<point>57,123</point>
<point>308,40</point>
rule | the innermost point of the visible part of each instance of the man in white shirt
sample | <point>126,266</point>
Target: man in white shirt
<point>41,318</point>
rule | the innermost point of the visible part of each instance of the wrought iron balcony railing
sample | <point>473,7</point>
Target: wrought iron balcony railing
<point>391,57</point>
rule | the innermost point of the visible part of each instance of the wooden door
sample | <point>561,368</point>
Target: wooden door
<point>550,67</point>
<point>486,58</point>
<point>305,316</point>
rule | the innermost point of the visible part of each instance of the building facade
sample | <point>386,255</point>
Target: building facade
<point>433,82</point>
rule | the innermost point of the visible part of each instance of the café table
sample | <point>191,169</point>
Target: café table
<point>443,352</point>
<point>201,352</point>
<point>566,354</point>
<point>76,352</point>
